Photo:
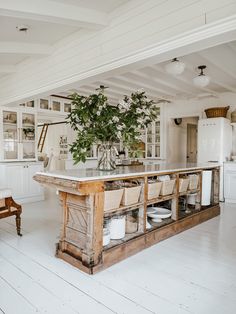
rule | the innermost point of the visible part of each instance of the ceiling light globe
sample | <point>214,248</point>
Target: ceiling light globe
<point>201,80</point>
<point>175,67</point>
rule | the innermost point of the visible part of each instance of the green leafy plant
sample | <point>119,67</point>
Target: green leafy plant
<point>97,122</point>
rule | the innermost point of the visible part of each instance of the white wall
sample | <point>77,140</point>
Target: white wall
<point>191,108</point>
<point>133,27</point>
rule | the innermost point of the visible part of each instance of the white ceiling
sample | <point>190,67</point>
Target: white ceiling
<point>48,21</point>
<point>100,5</point>
<point>221,67</point>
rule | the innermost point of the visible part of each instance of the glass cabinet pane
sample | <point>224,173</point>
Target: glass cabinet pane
<point>30,104</point>
<point>56,105</point>
<point>44,104</point>
<point>10,135</point>
<point>67,107</point>
<point>28,150</point>
<point>28,135</point>
<point>10,149</point>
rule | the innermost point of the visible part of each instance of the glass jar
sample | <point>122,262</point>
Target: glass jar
<point>106,236</point>
<point>106,157</point>
<point>117,227</point>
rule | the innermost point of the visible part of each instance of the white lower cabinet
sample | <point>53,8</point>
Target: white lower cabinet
<point>19,178</point>
<point>230,182</point>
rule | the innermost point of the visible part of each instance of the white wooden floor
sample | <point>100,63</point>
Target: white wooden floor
<point>194,272</point>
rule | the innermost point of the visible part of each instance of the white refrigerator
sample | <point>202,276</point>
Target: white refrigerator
<point>215,143</point>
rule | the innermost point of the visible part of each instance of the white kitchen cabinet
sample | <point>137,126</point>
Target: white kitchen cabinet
<point>54,105</point>
<point>230,182</point>
<point>19,178</point>
<point>18,134</point>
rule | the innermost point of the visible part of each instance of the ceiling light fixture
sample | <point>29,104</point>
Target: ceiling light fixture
<point>175,67</point>
<point>201,80</point>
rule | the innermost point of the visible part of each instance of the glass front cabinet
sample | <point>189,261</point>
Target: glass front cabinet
<point>17,135</point>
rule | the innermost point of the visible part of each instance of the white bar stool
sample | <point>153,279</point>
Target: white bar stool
<point>8,207</point>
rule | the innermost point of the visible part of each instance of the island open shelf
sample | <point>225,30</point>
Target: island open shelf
<point>86,206</point>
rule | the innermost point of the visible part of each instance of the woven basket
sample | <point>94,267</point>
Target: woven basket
<point>193,181</point>
<point>112,199</point>
<point>183,184</point>
<point>154,190</point>
<point>167,187</point>
<point>131,195</point>
<point>217,112</point>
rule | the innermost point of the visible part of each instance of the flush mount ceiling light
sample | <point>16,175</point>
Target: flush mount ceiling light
<point>201,80</point>
<point>175,67</point>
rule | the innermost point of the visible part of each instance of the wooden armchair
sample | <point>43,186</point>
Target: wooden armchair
<point>9,208</point>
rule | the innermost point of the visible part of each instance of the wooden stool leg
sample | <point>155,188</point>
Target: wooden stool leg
<point>18,224</point>
<point>11,203</point>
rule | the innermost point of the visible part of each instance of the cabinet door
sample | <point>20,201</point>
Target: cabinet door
<point>230,184</point>
<point>154,138</point>
<point>34,188</point>
<point>10,133</point>
<point>28,136</point>
<point>16,181</point>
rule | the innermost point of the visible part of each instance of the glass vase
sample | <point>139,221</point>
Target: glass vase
<point>106,157</point>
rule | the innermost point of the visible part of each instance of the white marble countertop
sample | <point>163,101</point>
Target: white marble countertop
<point>82,175</point>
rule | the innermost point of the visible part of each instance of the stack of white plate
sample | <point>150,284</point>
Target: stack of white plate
<point>158,213</point>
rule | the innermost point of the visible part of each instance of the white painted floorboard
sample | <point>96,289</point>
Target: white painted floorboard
<point>193,272</point>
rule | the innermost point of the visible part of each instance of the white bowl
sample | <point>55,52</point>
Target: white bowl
<point>159,213</point>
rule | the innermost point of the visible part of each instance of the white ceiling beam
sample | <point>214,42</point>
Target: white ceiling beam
<point>87,90</point>
<point>165,79</point>
<point>218,63</point>
<point>128,88</point>
<point>141,83</point>
<point>7,68</point>
<point>54,12</point>
<point>25,48</point>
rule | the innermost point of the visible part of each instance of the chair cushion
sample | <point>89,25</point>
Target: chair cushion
<point>5,193</point>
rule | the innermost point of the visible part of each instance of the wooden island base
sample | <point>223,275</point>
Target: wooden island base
<point>135,245</point>
<point>89,205</point>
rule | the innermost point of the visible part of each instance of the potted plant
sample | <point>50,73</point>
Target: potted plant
<point>98,122</point>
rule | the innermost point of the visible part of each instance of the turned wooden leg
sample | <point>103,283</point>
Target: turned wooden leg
<point>18,224</point>
<point>11,203</point>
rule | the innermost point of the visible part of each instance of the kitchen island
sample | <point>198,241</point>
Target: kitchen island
<point>90,198</point>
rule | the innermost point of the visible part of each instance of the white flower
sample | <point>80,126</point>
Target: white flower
<point>119,135</point>
<point>119,127</point>
<point>115,119</point>
<point>140,120</point>
<point>98,113</point>
<point>139,110</point>
<point>100,108</point>
<point>123,105</point>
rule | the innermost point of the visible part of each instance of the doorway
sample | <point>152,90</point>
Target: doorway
<point>191,143</point>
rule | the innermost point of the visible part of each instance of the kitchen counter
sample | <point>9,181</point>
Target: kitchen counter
<point>91,174</point>
<point>89,199</point>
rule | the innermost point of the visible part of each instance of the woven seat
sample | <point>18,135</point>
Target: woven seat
<point>8,207</point>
